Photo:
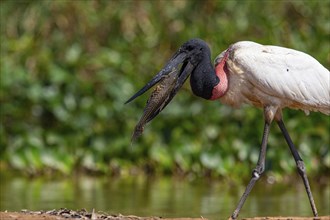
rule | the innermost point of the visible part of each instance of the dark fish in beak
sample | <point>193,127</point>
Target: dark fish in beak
<point>164,92</point>
<point>170,79</point>
<point>156,102</point>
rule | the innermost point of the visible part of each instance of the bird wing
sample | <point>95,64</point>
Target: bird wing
<point>284,73</point>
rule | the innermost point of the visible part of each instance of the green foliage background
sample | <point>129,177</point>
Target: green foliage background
<point>67,67</point>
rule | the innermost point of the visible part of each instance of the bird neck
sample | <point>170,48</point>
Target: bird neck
<point>221,71</point>
<point>203,78</point>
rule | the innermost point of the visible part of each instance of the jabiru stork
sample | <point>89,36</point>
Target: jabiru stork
<point>268,77</point>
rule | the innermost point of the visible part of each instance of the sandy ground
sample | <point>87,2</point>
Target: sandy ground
<point>65,214</point>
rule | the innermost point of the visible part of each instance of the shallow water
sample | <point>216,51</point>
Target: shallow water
<point>166,197</point>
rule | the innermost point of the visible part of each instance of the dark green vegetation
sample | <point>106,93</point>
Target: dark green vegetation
<point>67,67</point>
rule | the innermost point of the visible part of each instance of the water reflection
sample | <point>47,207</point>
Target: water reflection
<point>165,197</point>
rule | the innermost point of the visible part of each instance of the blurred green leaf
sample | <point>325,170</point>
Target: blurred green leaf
<point>67,67</point>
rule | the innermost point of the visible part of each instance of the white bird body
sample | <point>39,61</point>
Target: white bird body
<point>275,76</point>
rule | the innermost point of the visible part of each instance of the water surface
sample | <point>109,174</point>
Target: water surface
<point>166,197</point>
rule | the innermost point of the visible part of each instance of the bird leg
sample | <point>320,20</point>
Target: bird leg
<point>299,163</point>
<point>256,173</point>
<point>269,114</point>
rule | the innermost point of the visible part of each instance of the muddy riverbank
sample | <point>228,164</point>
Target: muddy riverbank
<point>65,214</point>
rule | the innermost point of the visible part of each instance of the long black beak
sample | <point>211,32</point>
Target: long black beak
<point>172,67</point>
<point>170,78</point>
